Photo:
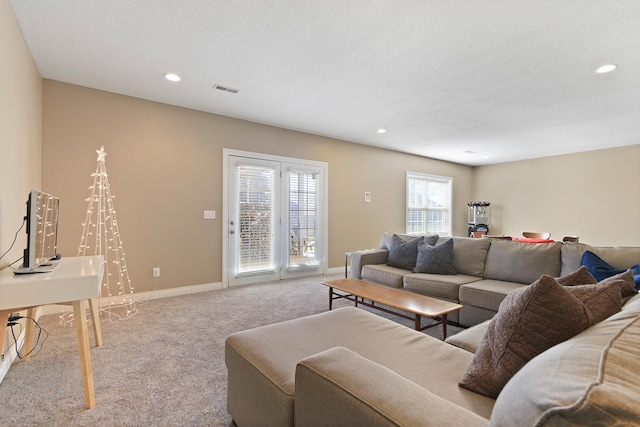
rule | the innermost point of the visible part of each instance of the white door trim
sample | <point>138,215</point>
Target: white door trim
<point>228,152</point>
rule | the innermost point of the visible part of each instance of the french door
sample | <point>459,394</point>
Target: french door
<point>274,218</point>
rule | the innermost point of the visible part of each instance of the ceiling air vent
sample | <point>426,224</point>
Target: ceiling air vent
<point>226,89</point>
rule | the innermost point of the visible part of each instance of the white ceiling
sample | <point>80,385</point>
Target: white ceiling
<point>473,82</point>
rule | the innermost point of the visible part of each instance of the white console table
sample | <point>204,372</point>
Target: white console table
<point>75,280</point>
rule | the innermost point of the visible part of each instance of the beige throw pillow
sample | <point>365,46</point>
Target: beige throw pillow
<point>530,320</point>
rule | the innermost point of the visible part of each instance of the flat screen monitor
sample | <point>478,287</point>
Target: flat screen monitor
<point>42,233</point>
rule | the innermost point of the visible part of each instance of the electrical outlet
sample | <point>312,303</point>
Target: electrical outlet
<point>209,214</point>
<point>156,271</point>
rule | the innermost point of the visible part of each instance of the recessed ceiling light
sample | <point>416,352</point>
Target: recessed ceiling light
<point>606,68</point>
<point>172,77</point>
<point>381,130</point>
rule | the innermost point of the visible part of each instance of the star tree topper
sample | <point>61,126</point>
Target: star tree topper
<point>101,154</point>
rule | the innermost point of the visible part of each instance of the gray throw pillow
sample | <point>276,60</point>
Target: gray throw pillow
<point>403,254</point>
<point>435,259</point>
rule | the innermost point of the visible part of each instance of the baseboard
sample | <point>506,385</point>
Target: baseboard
<point>335,270</point>
<point>143,296</point>
<point>11,354</point>
<point>9,357</point>
<point>137,297</point>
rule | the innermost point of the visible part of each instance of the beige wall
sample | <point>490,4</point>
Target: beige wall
<point>20,131</point>
<point>594,195</point>
<point>165,168</point>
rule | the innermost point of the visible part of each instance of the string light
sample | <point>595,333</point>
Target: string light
<point>102,234</point>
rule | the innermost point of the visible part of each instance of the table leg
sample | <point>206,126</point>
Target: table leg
<point>444,326</point>
<point>330,297</point>
<point>28,334</point>
<point>418,326</point>
<point>80,321</point>
<point>4,318</point>
<point>346,259</point>
<point>95,320</point>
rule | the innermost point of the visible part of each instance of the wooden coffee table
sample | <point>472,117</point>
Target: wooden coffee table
<point>358,291</point>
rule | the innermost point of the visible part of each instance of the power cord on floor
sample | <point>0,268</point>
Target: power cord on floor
<point>13,321</point>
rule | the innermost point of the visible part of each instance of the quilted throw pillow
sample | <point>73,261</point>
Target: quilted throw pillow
<point>435,259</point>
<point>602,299</point>
<point>530,320</point>
<point>626,283</point>
<point>579,277</point>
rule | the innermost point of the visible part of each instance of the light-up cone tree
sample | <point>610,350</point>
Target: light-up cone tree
<point>100,236</point>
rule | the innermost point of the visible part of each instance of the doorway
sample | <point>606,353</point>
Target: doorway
<point>274,218</point>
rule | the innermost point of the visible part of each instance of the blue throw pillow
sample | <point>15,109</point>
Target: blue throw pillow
<point>601,270</point>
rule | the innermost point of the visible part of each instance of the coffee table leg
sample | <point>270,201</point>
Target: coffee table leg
<point>330,297</point>
<point>418,327</point>
<point>444,326</point>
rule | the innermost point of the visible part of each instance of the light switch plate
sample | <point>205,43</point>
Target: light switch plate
<point>367,196</point>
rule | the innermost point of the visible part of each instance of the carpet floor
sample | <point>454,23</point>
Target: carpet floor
<point>163,367</point>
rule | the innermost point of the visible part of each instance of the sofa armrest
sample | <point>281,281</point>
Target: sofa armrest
<point>370,256</point>
<point>339,387</point>
<point>469,339</point>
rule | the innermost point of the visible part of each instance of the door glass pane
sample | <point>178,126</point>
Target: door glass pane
<point>256,222</point>
<point>303,218</point>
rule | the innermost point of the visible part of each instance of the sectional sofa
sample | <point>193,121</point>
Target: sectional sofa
<point>349,367</point>
<point>483,271</point>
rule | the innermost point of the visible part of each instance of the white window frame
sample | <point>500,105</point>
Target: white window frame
<point>447,208</point>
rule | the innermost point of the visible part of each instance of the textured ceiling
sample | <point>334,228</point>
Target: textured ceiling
<point>473,82</point>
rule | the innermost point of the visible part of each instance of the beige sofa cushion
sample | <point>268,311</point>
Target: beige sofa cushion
<point>591,379</point>
<point>487,293</point>
<point>339,387</point>
<point>616,256</point>
<point>530,320</point>
<point>522,262</point>
<point>437,285</point>
<point>262,361</point>
<point>383,275</point>
<point>469,339</point>
<point>469,255</point>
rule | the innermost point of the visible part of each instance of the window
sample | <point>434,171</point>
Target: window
<point>429,204</point>
<point>256,224</point>
<point>303,218</point>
